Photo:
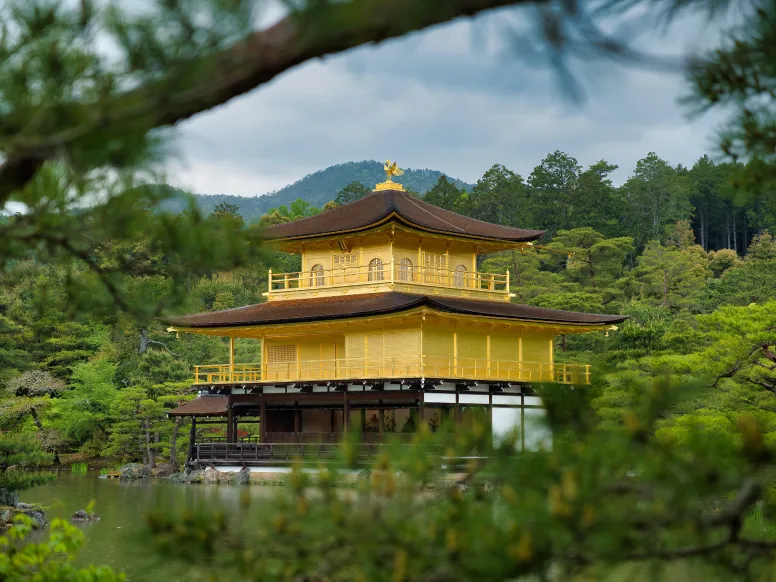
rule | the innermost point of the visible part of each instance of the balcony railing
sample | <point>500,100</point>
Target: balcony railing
<point>387,368</point>
<point>389,273</point>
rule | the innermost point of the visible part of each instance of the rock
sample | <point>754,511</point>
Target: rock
<point>225,477</point>
<point>24,506</point>
<point>9,498</point>
<point>242,477</point>
<point>163,471</point>
<point>210,476</point>
<point>197,476</point>
<point>178,478</point>
<point>38,518</point>
<point>82,515</point>
<point>135,471</point>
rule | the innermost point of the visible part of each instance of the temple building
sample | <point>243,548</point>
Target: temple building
<point>389,324</point>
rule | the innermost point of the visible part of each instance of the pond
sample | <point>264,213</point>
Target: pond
<point>118,538</point>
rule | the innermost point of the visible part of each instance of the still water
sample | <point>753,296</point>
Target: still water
<point>119,538</point>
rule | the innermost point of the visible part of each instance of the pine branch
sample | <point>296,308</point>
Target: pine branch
<point>218,78</point>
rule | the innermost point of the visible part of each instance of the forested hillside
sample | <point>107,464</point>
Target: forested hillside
<point>317,188</point>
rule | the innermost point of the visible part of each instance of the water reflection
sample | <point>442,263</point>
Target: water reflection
<point>119,539</point>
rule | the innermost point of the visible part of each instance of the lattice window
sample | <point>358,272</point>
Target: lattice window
<point>432,266</point>
<point>405,270</point>
<point>376,269</point>
<point>459,279</point>
<point>281,354</point>
<point>433,261</point>
<point>317,276</point>
<point>345,260</point>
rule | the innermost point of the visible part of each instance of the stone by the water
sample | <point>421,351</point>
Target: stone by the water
<point>242,477</point>
<point>135,471</point>
<point>211,476</point>
<point>83,515</point>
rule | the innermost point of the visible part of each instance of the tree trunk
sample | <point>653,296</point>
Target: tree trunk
<point>35,419</point>
<point>174,442</point>
<point>735,235</point>
<point>517,271</point>
<point>665,287</point>
<point>143,341</point>
<point>143,449</point>
<point>39,424</point>
<point>702,230</point>
<point>590,269</point>
<point>149,449</point>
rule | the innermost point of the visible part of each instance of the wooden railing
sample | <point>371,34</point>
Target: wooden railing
<point>480,369</point>
<point>279,454</point>
<point>389,272</point>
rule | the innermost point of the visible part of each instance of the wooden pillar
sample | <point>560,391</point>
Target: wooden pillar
<point>230,436</point>
<point>346,412</point>
<point>192,440</point>
<point>262,420</point>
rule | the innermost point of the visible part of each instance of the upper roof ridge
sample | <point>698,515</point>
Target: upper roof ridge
<point>382,205</point>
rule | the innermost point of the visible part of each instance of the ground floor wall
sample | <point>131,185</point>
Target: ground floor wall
<point>383,415</point>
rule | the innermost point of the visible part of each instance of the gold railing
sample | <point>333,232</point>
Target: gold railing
<point>417,367</point>
<point>391,273</point>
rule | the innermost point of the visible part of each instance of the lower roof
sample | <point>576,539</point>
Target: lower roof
<point>202,406</point>
<point>331,308</point>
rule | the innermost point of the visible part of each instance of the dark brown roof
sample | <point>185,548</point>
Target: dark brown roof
<point>202,406</point>
<point>300,310</point>
<point>381,206</point>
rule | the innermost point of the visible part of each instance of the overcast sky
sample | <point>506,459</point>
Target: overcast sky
<point>455,98</point>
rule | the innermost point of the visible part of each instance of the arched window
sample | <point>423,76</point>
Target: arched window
<point>376,269</point>
<point>459,279</point>
<point>405,270</point>
<point>316,276</point>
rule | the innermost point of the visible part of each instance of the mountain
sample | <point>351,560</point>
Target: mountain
<point>317,188</point>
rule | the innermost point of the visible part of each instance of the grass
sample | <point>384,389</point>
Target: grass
<point>79,467</point>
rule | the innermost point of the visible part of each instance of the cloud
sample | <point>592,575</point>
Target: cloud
<point>442,99</point>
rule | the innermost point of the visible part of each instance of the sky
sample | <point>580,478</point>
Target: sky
<point>456,98</point>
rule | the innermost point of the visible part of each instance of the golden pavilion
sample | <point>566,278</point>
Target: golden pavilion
<point>389,324</point>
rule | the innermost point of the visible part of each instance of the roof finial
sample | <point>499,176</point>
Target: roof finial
<point>390,171</point>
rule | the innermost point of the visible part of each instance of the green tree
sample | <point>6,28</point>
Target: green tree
<point>497,198</point>
<point>350,193</point>
<point>594,261</point>
<point>82,414</point>
<point>671,276</point>
<point>445,194</point>
<point>553,187</point>
<point>656,197</point>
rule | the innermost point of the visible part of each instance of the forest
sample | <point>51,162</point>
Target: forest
<point>692,265</point>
